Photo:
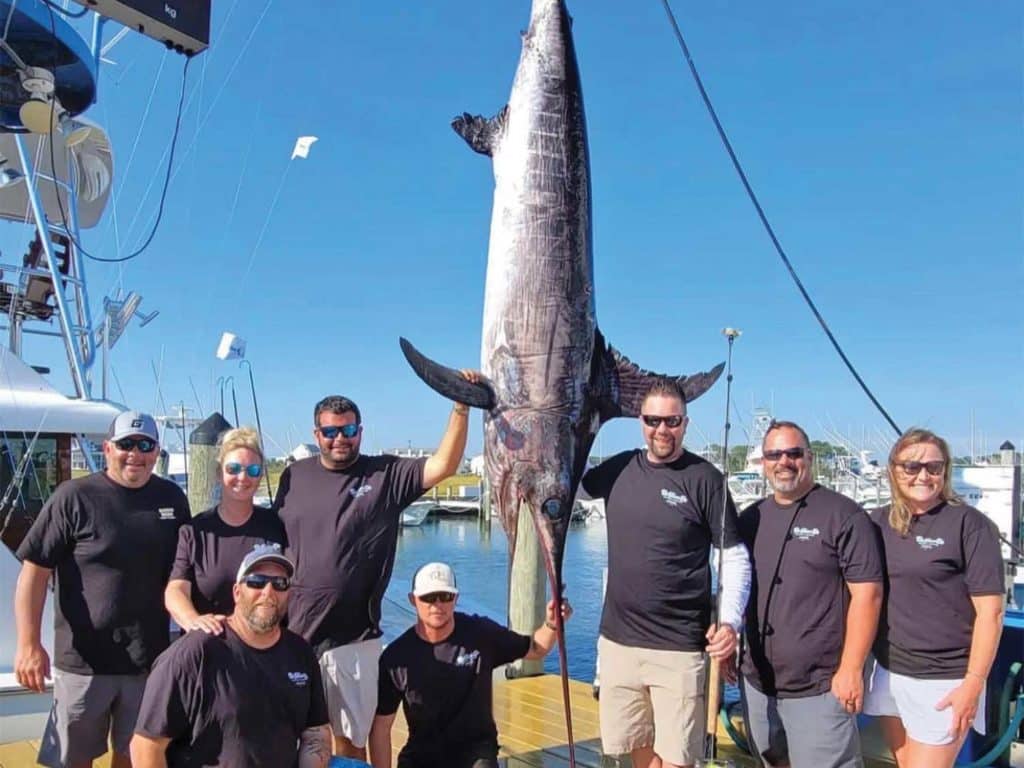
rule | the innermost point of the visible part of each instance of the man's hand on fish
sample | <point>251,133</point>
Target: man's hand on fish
<point>550,617</point>
<point>721,641</point>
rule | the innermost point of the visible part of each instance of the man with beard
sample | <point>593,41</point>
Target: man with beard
<point>813,612</point>
<point>250,696</point>
<point>440,671</point>
<point>664,510</point>
<point>108,539</point>
<point>342,512</point>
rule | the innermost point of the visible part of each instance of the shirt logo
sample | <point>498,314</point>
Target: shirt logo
<point>925,543</point>
<point>166,513</point>
<point>298,679</point>
<point>362,490</point>
<point>467,659</point>
<point>672,498</point>
<point>805,534</point>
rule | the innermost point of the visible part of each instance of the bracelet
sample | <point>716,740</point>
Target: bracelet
<point>460,408</point>
<point>550,626</point>
<point>975,674</point>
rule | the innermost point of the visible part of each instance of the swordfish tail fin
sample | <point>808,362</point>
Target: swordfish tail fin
<point>481,133</point>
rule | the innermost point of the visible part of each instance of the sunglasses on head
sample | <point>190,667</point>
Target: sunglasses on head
<point>235,468</point>
<point>912,468</point>
<point>670,421</point>
<point>144,444</point>
<point>789,453</point>
<point>346,430</point>
<point>260,581</point>
<point>436,597</point>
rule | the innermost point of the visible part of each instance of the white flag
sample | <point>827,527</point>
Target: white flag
<point>231,347</point>
<point>302,145</point>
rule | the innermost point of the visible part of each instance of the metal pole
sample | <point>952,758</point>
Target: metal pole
<point>43,228</point>
<point>259,426</point>
<point>714,682</point>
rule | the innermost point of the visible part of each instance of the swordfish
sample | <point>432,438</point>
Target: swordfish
<point>551,379</point>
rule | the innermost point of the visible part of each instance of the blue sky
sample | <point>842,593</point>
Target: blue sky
<point>884,140</point>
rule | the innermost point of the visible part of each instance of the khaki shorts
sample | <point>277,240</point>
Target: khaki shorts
<point>350,687</point>
<point>87,711</point>
<point>652,698</point>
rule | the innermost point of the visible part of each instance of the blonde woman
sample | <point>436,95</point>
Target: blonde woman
<point>210,549</point>
<point>943,608</point>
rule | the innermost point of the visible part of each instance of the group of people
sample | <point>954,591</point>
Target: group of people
<point>896,613</point>
<point>282,663</point>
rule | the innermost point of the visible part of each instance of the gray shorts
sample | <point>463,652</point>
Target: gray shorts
<point>90,713</point>
<point>810,732</point>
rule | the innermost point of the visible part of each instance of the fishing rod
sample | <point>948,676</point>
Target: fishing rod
<point>259,426</point>
<point>714,671</point>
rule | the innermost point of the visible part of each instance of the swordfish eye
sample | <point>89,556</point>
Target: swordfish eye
<point>552,509</point>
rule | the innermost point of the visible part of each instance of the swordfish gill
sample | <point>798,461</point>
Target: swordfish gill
<point>551,378</point>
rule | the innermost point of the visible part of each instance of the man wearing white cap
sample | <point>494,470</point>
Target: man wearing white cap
<point>109,540</point>
<point>249,696</point>
<point>440,671</point>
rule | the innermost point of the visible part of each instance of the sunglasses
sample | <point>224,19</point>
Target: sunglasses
<point>144,444</point>
<point>252,470</point>
<point>347,430</point>
<point>670,421</point>
<point>912,468</point>
<point>436,597</point>
<point>789,453</point>
<point>259,581</point>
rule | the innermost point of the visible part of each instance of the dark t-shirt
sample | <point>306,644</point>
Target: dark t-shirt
<point>342,530</point>
<point>803,555</point>
<point>950,554</point>
<point>111,550</point>
<point>662,520</point>
<point>210,551</point>
<point>222,702</point>
<point>445,687</point>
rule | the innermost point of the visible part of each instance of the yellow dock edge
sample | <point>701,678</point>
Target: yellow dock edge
<point>531,730</point>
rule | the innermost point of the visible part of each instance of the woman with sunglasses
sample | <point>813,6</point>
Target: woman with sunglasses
<point>943,608</point>
<point>211,548</point>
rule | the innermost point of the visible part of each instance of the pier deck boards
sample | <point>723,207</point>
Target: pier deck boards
<point>531,730</point>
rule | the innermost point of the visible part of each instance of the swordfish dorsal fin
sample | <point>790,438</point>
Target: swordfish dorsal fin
<point>481,133</point>
<point>448,381</point>
<point>622,384</point>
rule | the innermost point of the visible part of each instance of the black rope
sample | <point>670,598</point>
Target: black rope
<point>167,178</point>
<point>64,11</point>
<point>764,219</point>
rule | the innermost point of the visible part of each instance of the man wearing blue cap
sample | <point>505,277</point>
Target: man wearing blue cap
<point>108,539</point>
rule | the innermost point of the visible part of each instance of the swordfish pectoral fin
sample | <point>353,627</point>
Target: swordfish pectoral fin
<point>622,384</point>
<point>481,133</point>
<point>448,381</point>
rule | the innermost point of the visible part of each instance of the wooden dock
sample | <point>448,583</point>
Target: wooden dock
<point>531,730</point>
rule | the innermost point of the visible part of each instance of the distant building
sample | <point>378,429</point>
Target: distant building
<point>78,461</point>
<point>476,465</point>
<point>302,451</point>
<point>411,453</point>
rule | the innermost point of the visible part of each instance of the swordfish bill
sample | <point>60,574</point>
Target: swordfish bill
<point>551,379</point>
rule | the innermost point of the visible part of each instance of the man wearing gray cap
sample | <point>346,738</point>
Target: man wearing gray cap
<point>440,672</point>
<point>250,696</point>
<point>109,540</point>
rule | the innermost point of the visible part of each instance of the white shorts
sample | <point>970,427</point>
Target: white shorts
<point>350,687</point>
<point>913,701</point>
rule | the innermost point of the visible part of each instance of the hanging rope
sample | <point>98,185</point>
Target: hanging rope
<point>764,219</point>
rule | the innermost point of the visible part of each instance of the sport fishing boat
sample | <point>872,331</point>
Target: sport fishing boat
<point>56,170</point>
